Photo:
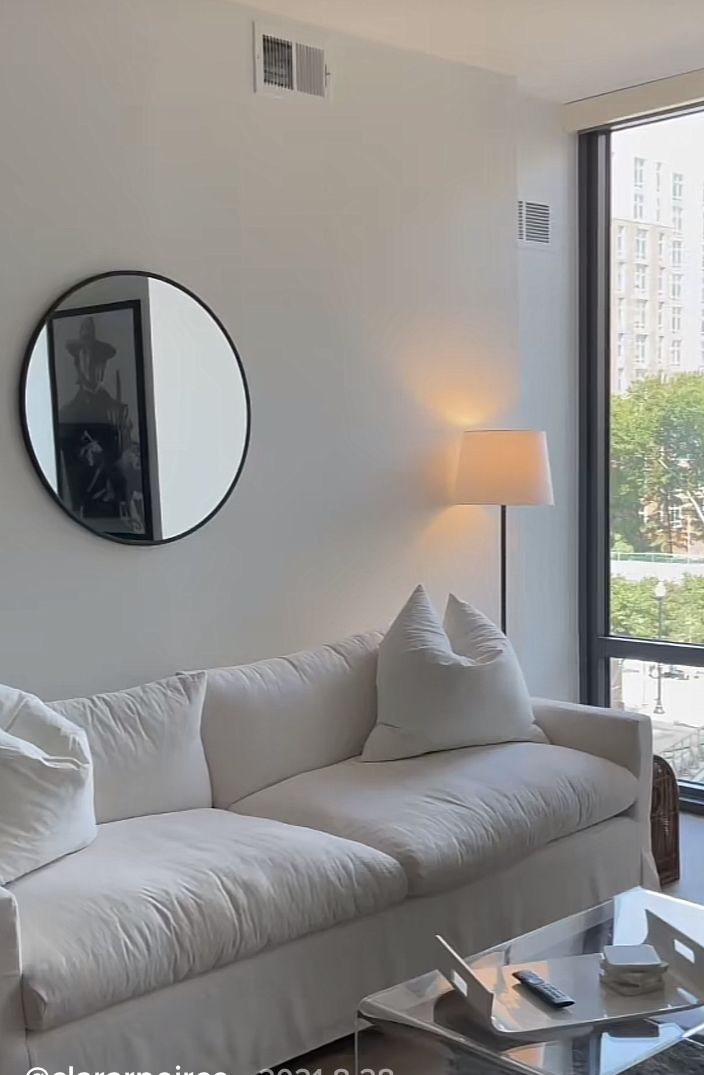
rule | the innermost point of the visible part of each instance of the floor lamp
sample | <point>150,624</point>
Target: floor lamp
<point>507,467</point>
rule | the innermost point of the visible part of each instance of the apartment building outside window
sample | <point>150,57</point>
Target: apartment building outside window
<point>676,319</point>
<point>677,185</point>
<point>662,283</point>
<point>641,353</point>
<point>641,314</point>
<point>662,246</point>
<point>658,189</point>
<point>661,317</point>
<point>677,218</point>
<point>621,240</point>
<point>677,253</point>
<point>642,244</point>
<point>640,278</point>
<point>621,276</point>
<point>638,205</point>
<point>676,287</point>
<point>621,315</point>
<point>673,517</point>
<point>675,353</point>
<point>661,350</point>
<point>639,172</point>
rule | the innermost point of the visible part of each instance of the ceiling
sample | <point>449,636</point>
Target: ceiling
<point>560,49</point>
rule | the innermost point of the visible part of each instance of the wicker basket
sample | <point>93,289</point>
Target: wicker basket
<point>665,822</point>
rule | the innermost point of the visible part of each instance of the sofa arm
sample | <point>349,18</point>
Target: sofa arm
<point>616,735</point>
<point>14,1057</point>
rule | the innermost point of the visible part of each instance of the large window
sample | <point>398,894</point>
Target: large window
<point>642,597</point>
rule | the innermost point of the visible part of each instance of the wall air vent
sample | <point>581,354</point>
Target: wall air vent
<point>284,65</point>
<point>277,62</point>
<point>534,224</point>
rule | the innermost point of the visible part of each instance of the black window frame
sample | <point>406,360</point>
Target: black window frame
<point>597,646</point>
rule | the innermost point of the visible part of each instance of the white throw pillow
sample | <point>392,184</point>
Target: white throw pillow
<point>46,786</point>
<point>147,751</point>
<point>443,687</point>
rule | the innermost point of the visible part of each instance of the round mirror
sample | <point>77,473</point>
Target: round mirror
<point>135,407</point>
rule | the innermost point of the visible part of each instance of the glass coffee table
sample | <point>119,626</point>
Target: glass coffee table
<point>424,1027</point>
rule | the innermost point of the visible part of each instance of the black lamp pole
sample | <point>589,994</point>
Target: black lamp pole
<point>503,568</point>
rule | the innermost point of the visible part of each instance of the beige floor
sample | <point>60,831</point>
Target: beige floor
<point>382,1058</point>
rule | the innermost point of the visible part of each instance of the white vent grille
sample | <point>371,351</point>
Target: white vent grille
<point>310,70</point>
<point>284,65</point>
<point>534,223</point>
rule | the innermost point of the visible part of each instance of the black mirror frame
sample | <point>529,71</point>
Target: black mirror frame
<point>29,350</point>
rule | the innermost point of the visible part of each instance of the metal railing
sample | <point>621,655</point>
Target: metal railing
<point>686,756</point>
<point>657,557</point>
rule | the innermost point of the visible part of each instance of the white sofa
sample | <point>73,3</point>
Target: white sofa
<point>234,937</point>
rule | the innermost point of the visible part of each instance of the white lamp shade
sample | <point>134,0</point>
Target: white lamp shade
<point>504,466</point>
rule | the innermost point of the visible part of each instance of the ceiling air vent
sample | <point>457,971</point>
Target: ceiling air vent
<point>285,65</point>
<point>534,224</point>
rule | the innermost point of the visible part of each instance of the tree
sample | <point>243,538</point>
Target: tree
<point>684,610</point>
<point>657,461</point>
<point>634,609</point>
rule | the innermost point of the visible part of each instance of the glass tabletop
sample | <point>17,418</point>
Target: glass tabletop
<point>430,1008</point>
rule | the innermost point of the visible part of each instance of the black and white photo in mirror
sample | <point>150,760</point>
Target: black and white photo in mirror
<point>96,371</point>
<point>135,407</point>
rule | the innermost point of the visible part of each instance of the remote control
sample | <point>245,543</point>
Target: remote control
<point>549,993</point>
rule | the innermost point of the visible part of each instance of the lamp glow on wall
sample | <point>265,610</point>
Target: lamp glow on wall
<point>507,467</point>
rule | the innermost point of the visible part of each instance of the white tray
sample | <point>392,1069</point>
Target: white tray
<point>502,1005</point>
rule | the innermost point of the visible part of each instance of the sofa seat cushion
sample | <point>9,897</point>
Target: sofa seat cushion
<point>455,816</point>
<point>155,900</point>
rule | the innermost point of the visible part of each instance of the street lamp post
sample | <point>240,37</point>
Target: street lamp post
<point>660,594</point>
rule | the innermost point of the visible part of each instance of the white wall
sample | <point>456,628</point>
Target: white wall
<point>362,255</point>
<point>545,569</point>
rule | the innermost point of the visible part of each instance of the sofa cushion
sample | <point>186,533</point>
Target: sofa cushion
<point>145,742</point>
<point>452,817</point>
<point>46,785</point>
<point>267,721</point>
<point>155,900</point>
